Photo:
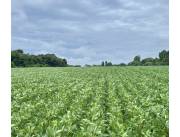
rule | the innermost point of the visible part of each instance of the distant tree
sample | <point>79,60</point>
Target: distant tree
<point>77,65</point>
<point>156,61</point>
<point>122,64</point>
<point>64,62</point>
<point>137,59</point>
<point>130,63</point>
<point>164,57</point>
<point>162,60</point>
<point>102,64</point>
<point>109,64</point>
<point>105,64</point>
<point>95,65</point>
<point>87,65</point>
<point>19,51</point>
<point>13,65</point>
<point>148,62</point>
<point>20,59</point>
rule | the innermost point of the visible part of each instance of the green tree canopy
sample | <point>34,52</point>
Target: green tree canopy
<point>20,59</point>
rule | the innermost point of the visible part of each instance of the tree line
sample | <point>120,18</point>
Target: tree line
<point>21,59</point>
<point>163,59</point>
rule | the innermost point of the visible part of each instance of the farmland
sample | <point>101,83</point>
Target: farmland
<point>90,102</point>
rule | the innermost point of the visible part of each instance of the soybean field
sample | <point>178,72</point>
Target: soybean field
<point>90,102</point>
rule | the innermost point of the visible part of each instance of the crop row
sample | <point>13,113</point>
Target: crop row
<point>90,102</point>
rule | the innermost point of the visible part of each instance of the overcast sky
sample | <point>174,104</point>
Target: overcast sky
<point>90,31</point>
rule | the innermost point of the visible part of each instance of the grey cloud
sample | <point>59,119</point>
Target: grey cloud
<point>88,31</point>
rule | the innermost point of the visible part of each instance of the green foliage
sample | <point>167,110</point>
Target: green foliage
<point>12,64</point>
<point>109,64</point>
<point>87,65</point>
<point>148,62</point>
<point>90,102</point>
<point>102,64</point>
<point>122,64</point>
<point>20,59</point>
<point>77,66</point>
<point>136,61</point>
<point>164,57</point>
<point>19,51</point>
<point>137,58</point>
<point>162,60</point>
<point>106,63</point>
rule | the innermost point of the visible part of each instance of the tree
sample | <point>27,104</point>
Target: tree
<point>77,66</point>
<point>64,62</point>
<point>106,63</point>
<point>109,64</point>
<point>162,60</point>
<point>102,64</point>
<point>19,51</point>
<point>122,64</point>
<point>148,62</point>
<point>137,59</point>
<point>156,61</point>
<point>17,57</point>
<point>20,59</point>
<point>164,57</point>
<point>13,65</point>
<point>87,65</point>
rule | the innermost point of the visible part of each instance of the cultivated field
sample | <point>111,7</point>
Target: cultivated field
<point>90,102</point>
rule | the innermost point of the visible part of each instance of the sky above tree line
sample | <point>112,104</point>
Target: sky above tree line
<point>91,31</point>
